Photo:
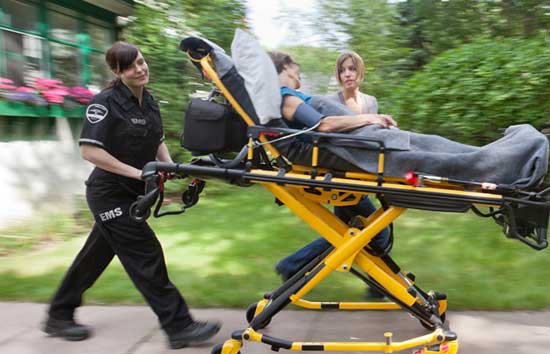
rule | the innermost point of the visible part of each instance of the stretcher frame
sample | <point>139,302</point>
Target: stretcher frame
<point>305,190</point>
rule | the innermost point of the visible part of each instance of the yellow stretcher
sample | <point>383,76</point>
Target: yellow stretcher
<point>307,189</point>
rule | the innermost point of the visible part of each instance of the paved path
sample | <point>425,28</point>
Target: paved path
<point>134,330</point>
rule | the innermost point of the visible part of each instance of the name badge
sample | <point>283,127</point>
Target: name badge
<point>139,121</point>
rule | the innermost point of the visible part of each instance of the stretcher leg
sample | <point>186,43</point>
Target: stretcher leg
<point>349,249</point>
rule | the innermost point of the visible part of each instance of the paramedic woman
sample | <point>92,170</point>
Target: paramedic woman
<point>123,131</point>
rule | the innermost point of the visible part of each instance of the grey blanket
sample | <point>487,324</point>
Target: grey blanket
<point>519,158</point>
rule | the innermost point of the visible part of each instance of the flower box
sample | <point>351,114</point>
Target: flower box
<point>20,109</point>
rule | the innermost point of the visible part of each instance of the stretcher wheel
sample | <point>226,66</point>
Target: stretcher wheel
<point>250,311</point>
<point>218,349</point>
<point>431,327</point>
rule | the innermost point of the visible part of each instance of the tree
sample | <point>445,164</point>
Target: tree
<point>434,26</point>
<point>158,29</point>
<point>473,92</point>
<point>372,29</point>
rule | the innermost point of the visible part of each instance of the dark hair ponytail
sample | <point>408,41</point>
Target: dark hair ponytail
<point>112,83</point>
<point>119,58</point>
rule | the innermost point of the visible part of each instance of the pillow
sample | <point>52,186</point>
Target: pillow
<point>260,77</point>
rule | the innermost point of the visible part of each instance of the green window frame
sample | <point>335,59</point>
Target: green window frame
<point>84,15</point>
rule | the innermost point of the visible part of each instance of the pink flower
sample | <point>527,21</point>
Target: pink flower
<point>7,87</point>
<point>25,89</point>
<point>81,92</point>
<point>54,99</point>
<point>46,84</point>
<point>60,91</point>
<point>48,91</point>
<point>3,80</point>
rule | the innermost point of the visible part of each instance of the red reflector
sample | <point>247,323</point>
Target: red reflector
<point>270,134</point>
<point>411,179</point>
<point>445,348</point>
<point>205,74</point>
<point>420,351</point>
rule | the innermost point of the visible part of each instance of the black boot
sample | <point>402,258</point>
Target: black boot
<point>194,333</point>
<point>66,329</point>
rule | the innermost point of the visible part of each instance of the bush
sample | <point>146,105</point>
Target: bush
<point>471,93</point>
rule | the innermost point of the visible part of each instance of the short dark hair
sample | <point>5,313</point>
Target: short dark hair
<point>281,60</point>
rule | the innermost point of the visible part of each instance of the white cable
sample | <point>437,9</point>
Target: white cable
<point>289,136</point>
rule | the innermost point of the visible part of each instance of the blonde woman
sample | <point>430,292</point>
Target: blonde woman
<point>350,73</point>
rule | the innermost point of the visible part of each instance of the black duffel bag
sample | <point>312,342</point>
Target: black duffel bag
<point>212,127</point>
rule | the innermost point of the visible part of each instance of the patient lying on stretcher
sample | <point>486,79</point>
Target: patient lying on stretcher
<point>519,159</point>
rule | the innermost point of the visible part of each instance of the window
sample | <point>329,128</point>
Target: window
<point>19,14</point>
<point>62,25</point>
<point>69,47</point>
<point>65,64</point>
<point>101,36</point>
<point>101,74</point>
<point>22,57</point>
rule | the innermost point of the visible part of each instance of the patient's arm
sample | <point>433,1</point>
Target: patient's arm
<point>347,123</point>
<point>330,123</point>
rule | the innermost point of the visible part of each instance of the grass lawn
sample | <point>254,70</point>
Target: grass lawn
<point>221,253</point>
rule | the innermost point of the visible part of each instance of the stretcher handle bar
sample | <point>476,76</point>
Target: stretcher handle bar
<point>255,132</point>
<point>545,204</point>
<point>141,208</point>
<point>154,167</point>
<point>538,243</point>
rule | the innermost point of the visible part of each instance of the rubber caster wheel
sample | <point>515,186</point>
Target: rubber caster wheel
<point>431,327</point>
<point>250,311</point>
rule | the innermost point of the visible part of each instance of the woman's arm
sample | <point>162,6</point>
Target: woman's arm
<point>163,154</point>
<point>335,123</point>
<point>108,162</point>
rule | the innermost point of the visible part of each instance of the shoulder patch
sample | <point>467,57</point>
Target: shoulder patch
<point>96,113</point>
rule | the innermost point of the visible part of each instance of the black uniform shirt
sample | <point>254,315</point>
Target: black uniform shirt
<point>115,122</point>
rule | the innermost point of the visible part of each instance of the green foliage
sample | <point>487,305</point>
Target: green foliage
<point>215,20</point>
<point>158,32</point>
<point>471,92</point>
<point>372,29</point>
<point>397,39</point>
<point>221,253</point>
<point>432,27</point>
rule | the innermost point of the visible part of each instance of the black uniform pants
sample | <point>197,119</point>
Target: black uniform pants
<point>139,251</point>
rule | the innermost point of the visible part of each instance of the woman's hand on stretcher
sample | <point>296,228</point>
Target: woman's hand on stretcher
<point>384,120</point>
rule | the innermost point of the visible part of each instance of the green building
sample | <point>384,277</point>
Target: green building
<point>58,39</point>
